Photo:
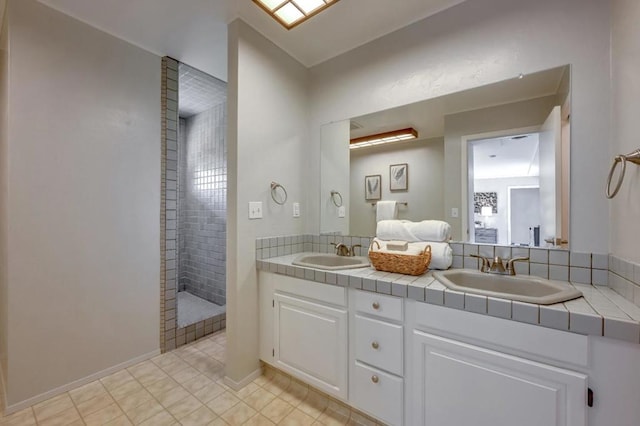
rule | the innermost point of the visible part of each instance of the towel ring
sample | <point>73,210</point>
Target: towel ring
<point>333,198</point>
<point>274,190</point>
<point>633,157</point>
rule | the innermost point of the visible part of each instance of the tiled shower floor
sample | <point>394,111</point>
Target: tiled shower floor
<point>185,387</point>
<point>192,309</point>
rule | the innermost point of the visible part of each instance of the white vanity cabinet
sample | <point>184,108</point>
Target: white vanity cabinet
<point>376,369</point>
<point>454,382</point>
<point>307,331</point>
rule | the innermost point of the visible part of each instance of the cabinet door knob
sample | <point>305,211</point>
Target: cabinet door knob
<point>375,345</point>
<point>376,305</point>
<point>375,379</point>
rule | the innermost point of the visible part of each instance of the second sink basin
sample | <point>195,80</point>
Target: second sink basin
<point>523,288</point>
<point>331,262</point>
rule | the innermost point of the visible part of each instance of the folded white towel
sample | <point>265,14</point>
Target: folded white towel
<point>386,210</point>
<point>441,253</point>
<point>427,230</point>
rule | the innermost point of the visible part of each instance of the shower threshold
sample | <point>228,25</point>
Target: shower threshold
<point>192,309</point>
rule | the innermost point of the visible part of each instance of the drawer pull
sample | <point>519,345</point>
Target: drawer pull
<point>375,379</point>
<point>376,305</point>
<point>375,345</point>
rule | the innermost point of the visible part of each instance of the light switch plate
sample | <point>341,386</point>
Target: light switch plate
<point>296,209</point>
<point>341,211</point>
<point>255,209</point>
<point>454,212</point>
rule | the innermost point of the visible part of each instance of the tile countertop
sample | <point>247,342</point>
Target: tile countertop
<point>600,312</point>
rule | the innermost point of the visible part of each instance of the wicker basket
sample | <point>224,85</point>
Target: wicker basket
<point>409,264</point>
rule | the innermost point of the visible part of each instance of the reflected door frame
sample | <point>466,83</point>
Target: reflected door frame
<point>466,216</point>
<point>509,189</point>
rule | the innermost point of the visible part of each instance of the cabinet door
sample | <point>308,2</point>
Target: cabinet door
<point>311,343</point>
<point>461,384</point>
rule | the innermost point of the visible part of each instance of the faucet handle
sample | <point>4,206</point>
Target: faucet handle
<point>353,249</point>
<point>510,268</point>
<point>485,262</point>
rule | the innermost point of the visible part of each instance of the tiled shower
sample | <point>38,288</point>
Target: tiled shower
<point>201,196</point>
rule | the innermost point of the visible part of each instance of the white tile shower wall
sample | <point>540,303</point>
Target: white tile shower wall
<point>203,210</point>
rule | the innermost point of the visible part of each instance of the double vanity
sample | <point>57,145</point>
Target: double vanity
<point>452,347</point>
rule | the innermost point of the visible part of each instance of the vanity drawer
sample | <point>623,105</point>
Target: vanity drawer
<point>382,306</point>
<point>378,393</point>
<point>379,343</point>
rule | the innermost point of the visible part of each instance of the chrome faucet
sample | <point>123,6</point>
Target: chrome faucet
<point>497,266</point>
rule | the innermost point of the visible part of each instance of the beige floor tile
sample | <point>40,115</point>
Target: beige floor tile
<point>297,418</point>
<point>163,418</point>
<point>172,396</point>
<point>276,410</point>
<point>278,384</point>
<point>116,380</point>
<point>196,383</point>
<point>119,421</point>
<point>162,386</point>
<point>143,411</point>
<point>201,416</point>
<point>358,419</point>
<point>52,407</point>
<point>175,367</point>
<point>222,402</point>
<point>295,393</point>
<point>314,404</point>
<point>19,418</point>
<point>238,414</point>
<point>339,407</point>
<point>184,407</point>
<point>259,399</point>
<point>333,418</point>
<point>126,389</point>
<point>135,399</point>
<point>104,415</point>
<point>218,422</point>
<point>87,392</point>
<point>185,374</point>
<point>147,372</point>
<point>64,418</point>
<point>165,359</point>
<point>205,364</point>
<point>261,380</point>
<point>259,420</point>
<point>94,404</point>
<point>209,392</point>
<point>246,391</point>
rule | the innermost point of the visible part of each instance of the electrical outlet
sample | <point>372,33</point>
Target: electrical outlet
<point>296,209</point>
<point>255,210</point>
<point>454,212</point>
<point>342,211</point>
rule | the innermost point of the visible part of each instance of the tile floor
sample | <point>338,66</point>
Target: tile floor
<point>185,387</point>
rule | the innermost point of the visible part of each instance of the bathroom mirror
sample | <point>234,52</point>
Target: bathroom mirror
<point>493,161</point>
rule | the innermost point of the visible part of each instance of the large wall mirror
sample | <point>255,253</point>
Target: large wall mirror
<point>493,161</point>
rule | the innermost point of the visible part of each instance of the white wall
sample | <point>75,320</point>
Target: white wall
<point>267,139</point>
<point>83,201</point>
<point>425,196</point>
<point>480,42</point>
<point>625,208</point>
<point>501,186</point>
<point>509,116</point>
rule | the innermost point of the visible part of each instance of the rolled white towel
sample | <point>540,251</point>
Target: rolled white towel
<point>405,230</point>
<point>441,253</point>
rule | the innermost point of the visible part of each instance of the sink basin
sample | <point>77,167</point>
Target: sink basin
<point>523,288</point>
<point>331,262</point>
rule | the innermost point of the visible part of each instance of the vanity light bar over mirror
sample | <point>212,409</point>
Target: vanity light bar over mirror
<point>387,137</point>
<point>291,13</point>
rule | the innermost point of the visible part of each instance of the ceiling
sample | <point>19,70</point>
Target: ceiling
<point>506,157</point>
<point>195,31</point>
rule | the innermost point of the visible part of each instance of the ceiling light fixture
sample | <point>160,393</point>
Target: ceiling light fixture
<point>387,137</point>
<point>291,13</point>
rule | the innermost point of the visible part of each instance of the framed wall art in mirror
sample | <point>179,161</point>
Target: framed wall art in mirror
<point>399,177</point>
<point>372,187</point>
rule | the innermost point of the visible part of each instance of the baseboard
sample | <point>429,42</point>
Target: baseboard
<point>236,386</point>
<point>9,409</point>
<point>3,408</point>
